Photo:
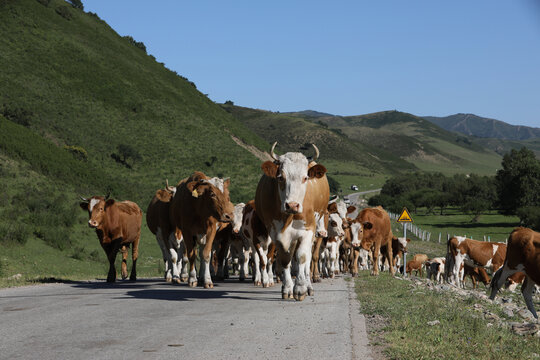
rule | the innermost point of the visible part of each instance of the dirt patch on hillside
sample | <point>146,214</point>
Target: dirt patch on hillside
<point>261,155</point>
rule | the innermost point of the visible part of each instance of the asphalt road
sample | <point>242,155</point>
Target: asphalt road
<point>150,319</point>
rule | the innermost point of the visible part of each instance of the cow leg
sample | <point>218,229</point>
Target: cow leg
<point>263,262</point>
<point>526,290</point>
<point>206,258</point>
<point>134,257</point>
<point>270,263</point>
<point>123,266</point>
<point>284,268</point>
<point>389,257</point>
<point>316,276</point>
<point>302,284</point>
<point>376,250</point>
<point>166,255</point>
<point>190,242</point>
<point>244,269</point>
<point>111,251</point>
<point>500,277</point>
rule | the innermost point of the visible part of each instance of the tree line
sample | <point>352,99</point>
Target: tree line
<point>514,190</point>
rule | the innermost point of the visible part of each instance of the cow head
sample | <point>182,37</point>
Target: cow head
<point>335,225</point>
<point>211,198</point>
<point>321,220</point>
<point>357,233</point>
<point>96,207</point>
<point>292,172</point>
<point>402,243</point>
<point>238,216</point>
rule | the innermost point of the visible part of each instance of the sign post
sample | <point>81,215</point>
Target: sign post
<point>405,218</point>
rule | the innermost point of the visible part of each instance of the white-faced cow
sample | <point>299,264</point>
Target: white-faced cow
<point>330,250</point>
<point>172,248</point>
<point>289,193</point>
<point>118,225</point>
<point>196,209</point>
<point>474,253</point>
<point>377,232</point>
<point>229,242</point>
<point>523,255</point>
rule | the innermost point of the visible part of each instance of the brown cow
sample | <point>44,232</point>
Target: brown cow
<point>199,204</point>
<point>523,255</point>
<point>477,274</point>
<point>118,225</point>
<point>377,233</point>
<point>474,253</point>
<point>399,247</point>
<point>514,280</point>
<point>289,193</point>
<point>414,265</point>
<point>172,249</point>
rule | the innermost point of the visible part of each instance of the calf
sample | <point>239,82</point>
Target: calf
<point>399,247</point>
<point>330,249</point>
<point>435,269</point>
<point>118,225</point>
<point>477,274</point>
<point>377,233</point>
<point>523,255</point>
<point>473,253</point>
<point>514,280</point>
<point>414,265</point>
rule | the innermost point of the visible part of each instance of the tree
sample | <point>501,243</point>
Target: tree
<point>77,4</point>
<point>126,152</point>
<point>518,182</point>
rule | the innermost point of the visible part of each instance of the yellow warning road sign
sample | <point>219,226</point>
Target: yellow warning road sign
<point>405,217</point>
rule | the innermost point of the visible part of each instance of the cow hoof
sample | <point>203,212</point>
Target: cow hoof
<point>270,284</point>
<point>133,278</point>
<point>299,297</point>
<point>192,284</point>
<point>176,280</point>
<point>168,280</point>
<point>373,273</point>
<point>354,274</point>
<point>183,279</point>
<point>317,279</point>
<point>265,285</point>
<point>208,286</point>
<point>310,291</point>
<point>257,283</point>
<point>242,279</point>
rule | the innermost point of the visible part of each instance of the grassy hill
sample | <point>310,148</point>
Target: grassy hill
<point>74,93</point>
<point>394,140</point>
<point>470,124</point>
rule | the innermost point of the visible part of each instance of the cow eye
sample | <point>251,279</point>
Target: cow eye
<point>213,195</point>
<point>304,179</point>
<point>334,224</point>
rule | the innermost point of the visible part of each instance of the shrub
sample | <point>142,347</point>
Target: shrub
<point>64,12</point>
<point>56,237</point>
<point>77,4</point>
<point>15,233</point>
<point>17,115</point>
<point>138,44</point>
<point>530,216</point>
<point>77,151</point>
<point>44,2</point>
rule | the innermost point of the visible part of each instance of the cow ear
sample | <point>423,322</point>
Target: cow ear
<point>332,207</point>
<point>269,168</point>
<point>317,171</point>
<point>226,183</point>
<point>109,203</point>
<point>351,209</point>
<point>367,225</point>
<point>408,240</point>
<point>164,195</point>
<point>84,205</point>
<point>194,188</point>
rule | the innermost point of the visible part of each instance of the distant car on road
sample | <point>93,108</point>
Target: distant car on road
<point>354,187</point>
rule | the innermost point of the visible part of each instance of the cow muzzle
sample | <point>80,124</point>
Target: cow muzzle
<point>226,218</point>
<point>92,223</point>
<point>292,208</point>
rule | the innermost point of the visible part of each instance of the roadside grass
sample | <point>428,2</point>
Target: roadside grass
<point>461,333</point>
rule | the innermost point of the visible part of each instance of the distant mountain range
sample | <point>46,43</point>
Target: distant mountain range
<point>470,124</point>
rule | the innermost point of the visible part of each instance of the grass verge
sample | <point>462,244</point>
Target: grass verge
<point>460,334</point>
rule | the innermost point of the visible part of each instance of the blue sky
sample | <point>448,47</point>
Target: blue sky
<point>348,57</point>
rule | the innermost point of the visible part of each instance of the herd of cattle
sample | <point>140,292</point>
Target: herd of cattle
<point>291,228</point>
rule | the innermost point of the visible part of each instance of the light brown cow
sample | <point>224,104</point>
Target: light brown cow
<point>473,253</point>
<point>196,209</point>
<point>523,255</point>
<point>514,280</point>
<point>289,193</point>
<point>414,265</point>
<point>118,225</point>
<point>173,250</point>
<point>377,233</point>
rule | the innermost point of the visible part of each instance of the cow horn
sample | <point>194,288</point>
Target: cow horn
<point>272,152</point>
<point>170,188</point>
<point>316,153</point>
<point>84,199</point>
<point>108,194</point>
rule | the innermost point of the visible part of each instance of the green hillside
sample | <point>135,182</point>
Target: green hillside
<point>84,111</point>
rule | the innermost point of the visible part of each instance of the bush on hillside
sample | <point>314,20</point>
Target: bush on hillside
<point>529,217</point>
<point>17,115</point>
<point>77,4</point>
<point>64,12</point>
<point>77,151</point>
<point>14,233</point>
<point>44,2</point>
<point>138,44</point>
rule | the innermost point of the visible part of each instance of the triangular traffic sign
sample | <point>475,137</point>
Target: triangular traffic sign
<point>404,217</point>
